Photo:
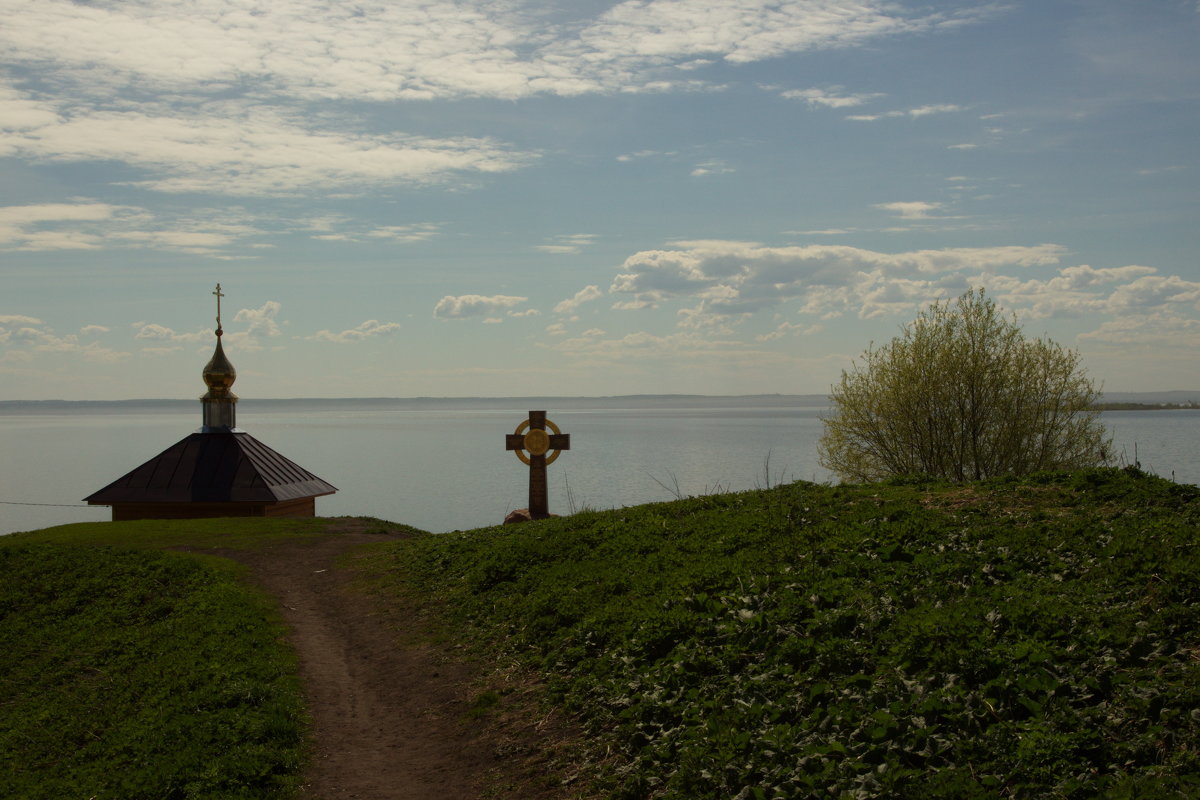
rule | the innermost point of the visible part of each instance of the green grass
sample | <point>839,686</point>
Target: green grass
<point>239,533</point>
<point>1035,638</point>
<point>127,672</point>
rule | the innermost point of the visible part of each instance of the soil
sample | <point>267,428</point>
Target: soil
<point>395,714</point>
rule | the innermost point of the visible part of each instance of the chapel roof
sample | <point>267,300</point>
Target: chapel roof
<point>210,467</point>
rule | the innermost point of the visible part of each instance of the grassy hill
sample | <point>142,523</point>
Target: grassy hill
<point>128,672</point>
<point>1034,638</point>
<point>1038,638</point>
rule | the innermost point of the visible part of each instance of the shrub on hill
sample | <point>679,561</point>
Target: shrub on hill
<point>1023,638</point>
<point>961,394</point>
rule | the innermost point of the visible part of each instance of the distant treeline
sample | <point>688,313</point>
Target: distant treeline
<point>1193,404</point>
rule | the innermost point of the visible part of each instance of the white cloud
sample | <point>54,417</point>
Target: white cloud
<point>914,209</point>
<point>715,167</point>
<point>232,83</point>
<point>894,296</point>
<point>1159,331</point>
<point>1155,291</point>
<point>1162,170</point>
<point>786,328</point>
<point>184,241</point>
<point>324,223</point>
<point>13,217</point>
<point>152,330</point>
<point>1127,295</point>
<point>339,227</point>
<point>637,33</point>
<point>937,108</point>
<point>366,330</point>
<point>86,225</point>
<point>374,50</point>
<point>830,98</point>
<point>822,232</point>
<point>567,244</point>
<point>912,113</point>
<point>256,151</point>
<point>626,157</point>
<point>731,278</point>
<point>384,51</point>
<point>40,226</point>
<point>584,295</point>
<point>260,324</point>
<point>474,305</point>
<point>416,232</point>
<point>161,333</point>
<point>20,111</point>
<point>34,335</point>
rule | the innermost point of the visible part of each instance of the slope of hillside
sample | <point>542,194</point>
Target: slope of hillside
<point>1038,638</point>
<point>141,674</point>
<point>1034,638</point>
<point>250,665</point>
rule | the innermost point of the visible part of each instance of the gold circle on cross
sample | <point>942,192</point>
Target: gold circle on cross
<point>537,442</point>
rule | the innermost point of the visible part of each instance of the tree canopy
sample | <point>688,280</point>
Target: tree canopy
<point>962,395</point>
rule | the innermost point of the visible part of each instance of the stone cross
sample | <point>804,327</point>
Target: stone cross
<point>531,437</point>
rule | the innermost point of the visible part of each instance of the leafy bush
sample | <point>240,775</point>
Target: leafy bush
<point>962,395</point>
<point>1035,638</point>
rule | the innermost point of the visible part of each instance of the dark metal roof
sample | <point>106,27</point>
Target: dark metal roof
<point>214,467</point>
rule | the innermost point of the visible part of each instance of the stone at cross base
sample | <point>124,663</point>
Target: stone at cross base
<point>521,515</point>
<point>531,443</point>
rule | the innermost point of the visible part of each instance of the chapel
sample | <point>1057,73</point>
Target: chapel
<point>218,471</point>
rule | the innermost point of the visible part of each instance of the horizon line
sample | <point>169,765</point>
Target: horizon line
<point>631,396</point>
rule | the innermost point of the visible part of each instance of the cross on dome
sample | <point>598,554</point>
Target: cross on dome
<point>219,295</point>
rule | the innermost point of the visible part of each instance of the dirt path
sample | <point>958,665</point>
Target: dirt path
<point>388,709</point>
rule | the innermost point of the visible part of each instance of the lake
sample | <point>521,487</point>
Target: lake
<point>440,465</point>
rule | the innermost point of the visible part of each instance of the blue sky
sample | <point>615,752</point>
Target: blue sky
<point>422,197</point>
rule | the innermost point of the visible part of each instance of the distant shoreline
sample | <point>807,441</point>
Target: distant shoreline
<point>1189,406</point>
<point>451,403</point>
<point>1116,401</point>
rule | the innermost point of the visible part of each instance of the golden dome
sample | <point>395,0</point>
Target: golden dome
<point>219,374</point>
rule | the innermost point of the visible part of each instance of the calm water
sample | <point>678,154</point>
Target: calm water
<point>441,465</point>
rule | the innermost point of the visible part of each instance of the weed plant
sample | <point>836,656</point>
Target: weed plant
<point>129,674</point>
<point>1032,638</point>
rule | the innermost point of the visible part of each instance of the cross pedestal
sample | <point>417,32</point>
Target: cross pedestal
<point>531,443</point>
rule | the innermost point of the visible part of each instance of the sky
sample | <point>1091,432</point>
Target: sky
<point>408,198</point>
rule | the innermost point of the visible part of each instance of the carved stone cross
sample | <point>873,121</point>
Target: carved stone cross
<point>531,437</point>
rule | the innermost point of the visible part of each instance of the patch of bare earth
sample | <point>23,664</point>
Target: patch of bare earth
<point>394,714</point>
